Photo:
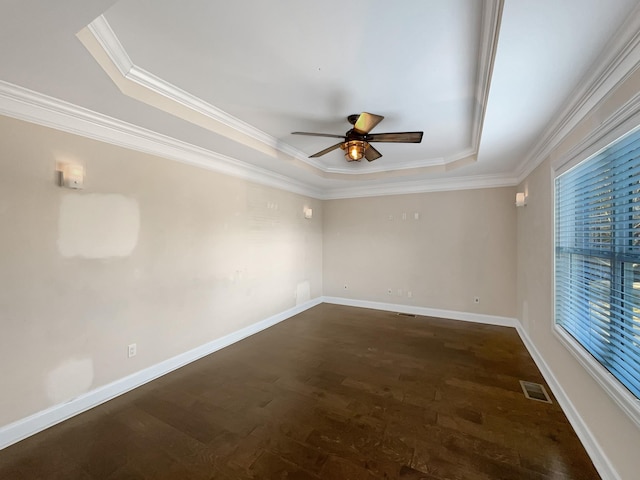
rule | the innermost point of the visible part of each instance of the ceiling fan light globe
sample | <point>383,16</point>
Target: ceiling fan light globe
<point>354,150</point>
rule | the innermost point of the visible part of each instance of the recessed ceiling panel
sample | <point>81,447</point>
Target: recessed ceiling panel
<point>493,84</point>
<point>304,66</point>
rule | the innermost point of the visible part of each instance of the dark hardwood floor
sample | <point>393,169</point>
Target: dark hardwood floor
<point>334,393</point>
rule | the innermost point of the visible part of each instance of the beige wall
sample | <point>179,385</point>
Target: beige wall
<point>151,252</point>
<point>170,257</point>
<point>462,246</point>
<point>614,432</point>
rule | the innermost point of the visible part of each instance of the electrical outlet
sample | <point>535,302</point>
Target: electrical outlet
<point>389,292</point>
<point>132,350</point>
<point>399,292</point>
<point>409,294</point>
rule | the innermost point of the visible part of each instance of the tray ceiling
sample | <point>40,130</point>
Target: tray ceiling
<point>485,80</point>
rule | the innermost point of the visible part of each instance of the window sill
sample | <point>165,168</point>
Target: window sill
<point>623,398</point>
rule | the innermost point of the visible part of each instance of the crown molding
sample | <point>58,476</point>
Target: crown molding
<point>39,421</point>
<point>421,186</point>
<point>24,104</point>
<point>107,41</point>
<point>621,122</point>
<point>396,167</point>
<point>619,58</point>
<point>111,45</point>
<point>489,36</point>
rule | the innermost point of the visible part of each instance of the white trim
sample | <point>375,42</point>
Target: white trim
<point>594,450</point>
<point>598,457</point>
<point>21,429</point>
<point>375,168</point>
<point>422,186</point>
<point>489,36</point>
<point>620,123</point>
<point>607,132</point>
<point>34,107</point>
<point>620,57</point>
<point>623,122</point>
<point>109,43</point>
<point>441,163</point>
<point>23,104</point>
<point>157,85</point>
<point>623,398</point>
<point>425,311</point>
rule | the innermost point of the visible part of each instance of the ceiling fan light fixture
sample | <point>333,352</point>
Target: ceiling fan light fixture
<point>354,150</point>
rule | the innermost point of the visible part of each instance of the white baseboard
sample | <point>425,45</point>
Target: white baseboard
<point>37,422</point>
<point>427,312</point>
<point>598,457</point>
<point>23,428</point>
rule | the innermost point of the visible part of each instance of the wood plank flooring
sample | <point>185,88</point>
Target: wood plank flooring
<point>333,393</point>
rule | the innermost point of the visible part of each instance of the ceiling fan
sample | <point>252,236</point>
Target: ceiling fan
<point>357,141</point>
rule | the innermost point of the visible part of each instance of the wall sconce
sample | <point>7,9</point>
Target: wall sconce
<point>308,213</point>
<point>521,199</point>
<point>71,175</point>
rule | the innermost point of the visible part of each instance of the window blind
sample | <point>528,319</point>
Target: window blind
<point>597,253</point>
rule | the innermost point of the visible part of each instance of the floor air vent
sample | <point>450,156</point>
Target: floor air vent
<point>535,391</point>
<point>406,315</point>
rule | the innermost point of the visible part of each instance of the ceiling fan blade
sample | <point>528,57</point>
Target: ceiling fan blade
<point>371,153</point>
<point>397,137</point>
<point>318,134</point>
<point>366,122</point>
<point>326,150</point>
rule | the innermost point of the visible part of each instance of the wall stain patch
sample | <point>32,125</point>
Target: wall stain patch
<point>71,378</point>
<point>98,225</point>
<point>303,292</point>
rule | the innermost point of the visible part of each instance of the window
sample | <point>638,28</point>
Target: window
<point>597,258</point>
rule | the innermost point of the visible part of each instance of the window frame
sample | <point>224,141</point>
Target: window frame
<point>593,145</point>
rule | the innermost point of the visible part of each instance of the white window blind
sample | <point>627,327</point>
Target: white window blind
<point>597,253</point>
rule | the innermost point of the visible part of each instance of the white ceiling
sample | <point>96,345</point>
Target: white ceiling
<point>225,83</point>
